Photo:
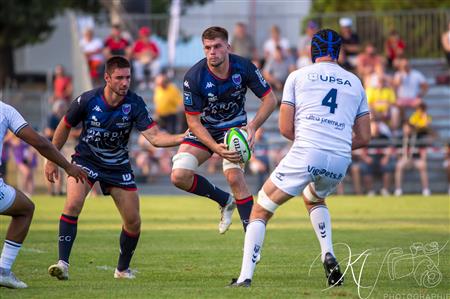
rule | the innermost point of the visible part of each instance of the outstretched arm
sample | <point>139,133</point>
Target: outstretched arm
<point>46,149</point>
<point>160,138</point>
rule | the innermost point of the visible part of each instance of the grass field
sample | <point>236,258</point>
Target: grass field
<point>181,254</point>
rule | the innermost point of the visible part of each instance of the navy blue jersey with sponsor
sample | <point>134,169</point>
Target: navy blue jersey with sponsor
<point>106,129</point>
<point>221,101</point>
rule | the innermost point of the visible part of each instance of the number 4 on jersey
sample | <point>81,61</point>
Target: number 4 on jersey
<point>330,100</point>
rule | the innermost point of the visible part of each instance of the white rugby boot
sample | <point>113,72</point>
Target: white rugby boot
<point>59,270</point>
<point>126,274</point>
<point>226,214</point>
<point>9,280</point>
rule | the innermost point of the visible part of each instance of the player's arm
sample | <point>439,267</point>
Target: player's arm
<point>269,103</point>
<point>160,138</point>
<point>286,121</point>
<point>196,127</point>
<point>361,132</point>
<point>61,134</point>
<point>46,149</point>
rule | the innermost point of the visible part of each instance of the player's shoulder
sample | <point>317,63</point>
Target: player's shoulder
<point>196,69</point>
<point>89,95</point>
<point>236,59</point>
<point>134,98</point>
<point>350,77</point>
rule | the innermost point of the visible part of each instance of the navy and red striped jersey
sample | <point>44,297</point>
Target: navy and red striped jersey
<point>106,129</point>
<point>221,102</point>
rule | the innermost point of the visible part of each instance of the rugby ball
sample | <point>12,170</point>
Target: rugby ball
<point>236,140</point>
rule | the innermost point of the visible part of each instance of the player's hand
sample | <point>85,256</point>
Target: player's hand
<point>76,172</point>
<point>232,156</point>
<point>51,171</point>
<point>250,135</point>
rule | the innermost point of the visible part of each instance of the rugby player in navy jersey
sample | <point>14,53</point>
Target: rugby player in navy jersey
<point>214,99</point>
<point>108,115</point>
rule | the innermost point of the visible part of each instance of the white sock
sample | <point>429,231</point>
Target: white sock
<point>321,222</point>
<point>254,238</point>
<point>9,254</point>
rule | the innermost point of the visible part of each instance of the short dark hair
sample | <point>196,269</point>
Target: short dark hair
<point>215,32</point>
<point>116,62</point>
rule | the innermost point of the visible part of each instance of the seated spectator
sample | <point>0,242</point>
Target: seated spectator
<point>350,43</point>
<point>275,40</point>
<point>394,47</point>
<point>304,45</point>
<point>259,163</point>
<point>378,158</point>
<point>59,108</point>
<point>5,155</point>
<point>62,85</point>
<point>411,85</point>
<point>145,54</point>
<point>152,161</point>
<point>115,44</point>
<point>373,79</point>
<point>243,43</point>
<point>277,69</point>
<point>382,103</point>
<point>367,60</point>
<point>26,161</point>
<point>92,48</point>
<point>414,150</point>
<point>353,171</point>
<point>168,103</point>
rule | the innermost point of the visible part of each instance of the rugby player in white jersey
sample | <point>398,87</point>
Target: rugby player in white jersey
<point>324,111</point>
<point>12,201</point>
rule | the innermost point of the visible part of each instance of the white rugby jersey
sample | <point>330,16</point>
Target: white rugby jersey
<point>10,119</point>
<point>327,100</point>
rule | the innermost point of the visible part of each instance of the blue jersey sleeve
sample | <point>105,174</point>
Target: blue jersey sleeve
<point>192,98</point>
<point>256,81</point>
<point>77,111</point>
<point>143,120</point>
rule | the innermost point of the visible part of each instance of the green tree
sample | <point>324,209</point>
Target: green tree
<point>24,22</point>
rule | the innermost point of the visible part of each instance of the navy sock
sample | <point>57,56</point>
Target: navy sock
<point>244,207</point>
<point>203,187</point>
<point>67,234</point>
<point>128,243</point>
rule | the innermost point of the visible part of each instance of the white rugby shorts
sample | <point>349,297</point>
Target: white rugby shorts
<point>7,196</point>
<point>302,166</point>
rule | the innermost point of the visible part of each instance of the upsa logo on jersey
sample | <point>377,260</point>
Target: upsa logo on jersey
<point>126,108</point>
<point>237,79</point>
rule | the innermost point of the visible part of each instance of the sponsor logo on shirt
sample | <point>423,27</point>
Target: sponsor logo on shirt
<point>97,108</point>
<point>328,79</point>
<point>237,79</point>
<point>187,96</point>
<point>209,85</point>
<point>186,84</point>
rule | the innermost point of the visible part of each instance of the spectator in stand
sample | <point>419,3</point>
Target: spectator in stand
<point>382,103</point>
<point>59,108</point>
<point>115,44</point>
<point>394,47</point>
<point>445,40</point>
<point>259,163</point>
<point>304,45</point>
<point>275,40</point>
<point>354,170</point>
<point>367,60</point>
<point>168,103</point>
<point>145,56</point>
<point>5,155</point>
<point>350,43</point>
<point>152,161</point>
<point>243,43</point>
<point>92,48</point>
<point>277,69</point>
<point>26,161</point>
<point>378,158</point>
<point>62,85</point>
<point>414,151</point>
<point>411,85</point>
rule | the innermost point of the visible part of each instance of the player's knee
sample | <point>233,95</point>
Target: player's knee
<point>310,196</point>
<point>72,209</point>
<point>181,178</point>
<point>186,161</point>
<point>234,180</point>
<point>268,206</point>
<point>133,225</point>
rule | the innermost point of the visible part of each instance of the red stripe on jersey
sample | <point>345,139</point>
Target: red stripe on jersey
<point>192,112</point>
<point>66,122</point>
<point>266,93</point>
<point>151,125</point>
<point>196,145</point>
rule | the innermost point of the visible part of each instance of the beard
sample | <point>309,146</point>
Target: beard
<point>218,63</point>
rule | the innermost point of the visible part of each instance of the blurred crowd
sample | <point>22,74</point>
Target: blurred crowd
<point>400,123</point>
